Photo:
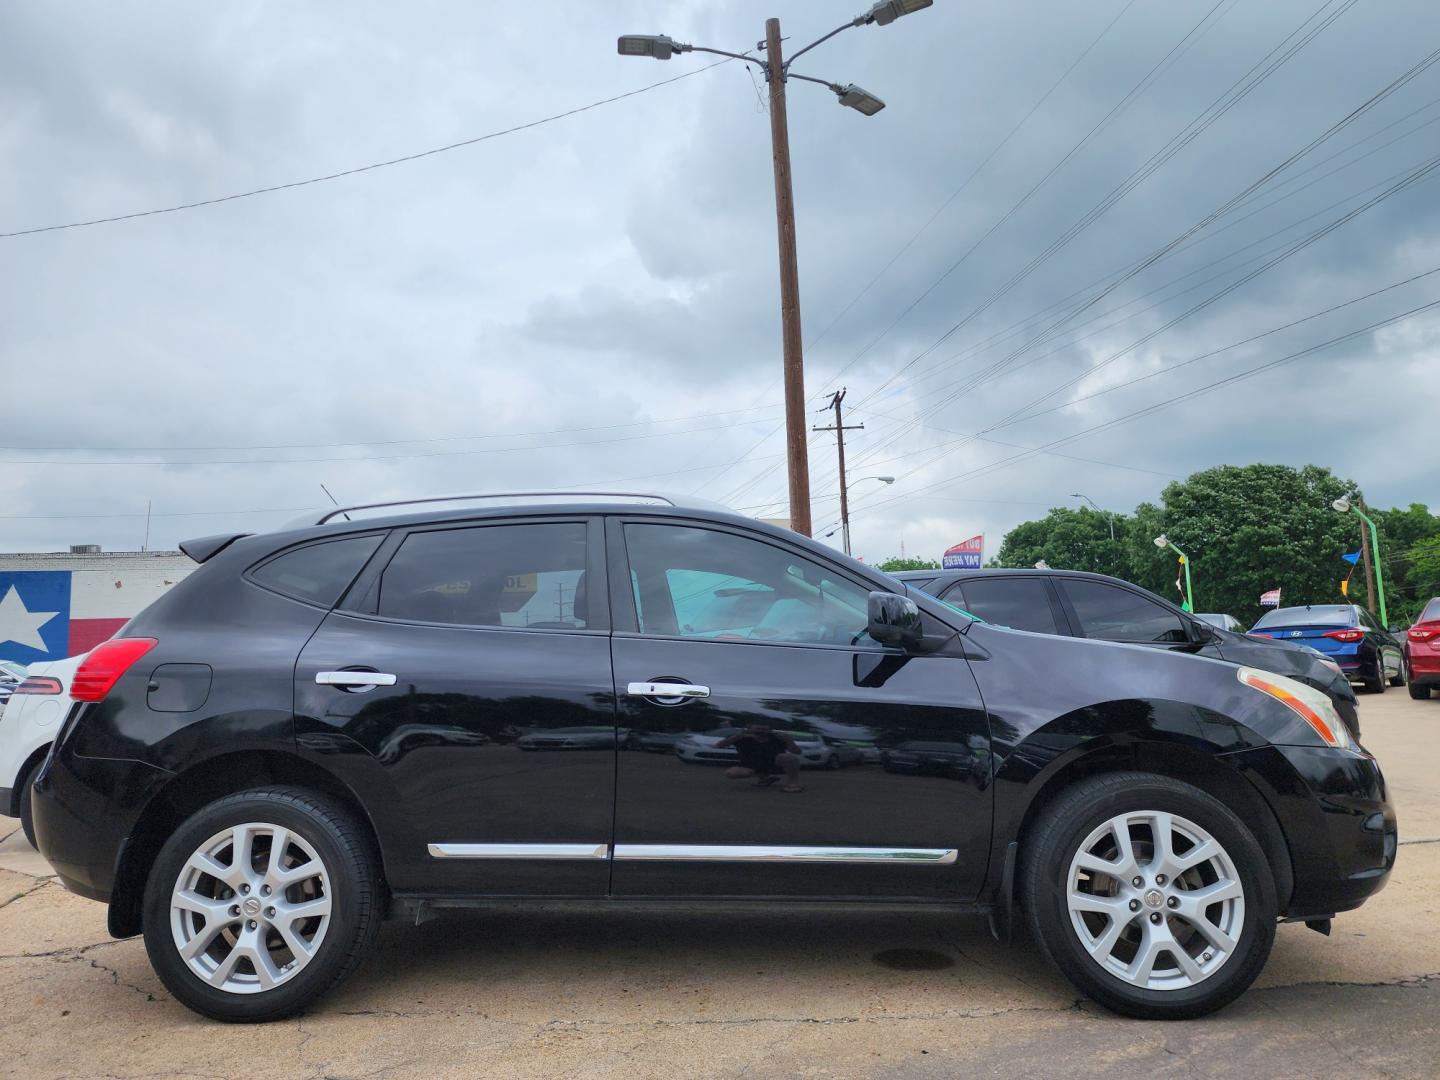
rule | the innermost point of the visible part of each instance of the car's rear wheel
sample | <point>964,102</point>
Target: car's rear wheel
<point>1149,894</point>
<point>259,903</point>
<point>27,812</point>
<point>1399,679</point>
<point>1418,692</point>
<point>1376,683</point>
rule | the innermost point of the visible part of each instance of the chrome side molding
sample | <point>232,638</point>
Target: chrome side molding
<point>520,851</point>
<point>769,853</point>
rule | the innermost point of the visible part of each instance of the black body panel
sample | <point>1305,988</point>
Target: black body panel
<point>438,757</point>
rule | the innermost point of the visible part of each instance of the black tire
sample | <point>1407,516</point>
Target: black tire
<point>1376,683</point>
<point>1054,840</point>
<point>27,812</point>
<point>833,762</point>
<point>1399,679</point>
<point>1418,692</point>
<point>357,901</point>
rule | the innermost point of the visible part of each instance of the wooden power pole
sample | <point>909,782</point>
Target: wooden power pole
<point>796,451</point>
<point>839,429</point>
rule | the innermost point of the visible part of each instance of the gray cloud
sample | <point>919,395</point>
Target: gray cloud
<point>618,267</point>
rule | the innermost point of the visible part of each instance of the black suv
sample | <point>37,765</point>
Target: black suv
<point>327,724</point>
<point>1082,604</point>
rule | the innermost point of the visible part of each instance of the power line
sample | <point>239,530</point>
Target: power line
<point>405,159</point>
<point>1166,403</point>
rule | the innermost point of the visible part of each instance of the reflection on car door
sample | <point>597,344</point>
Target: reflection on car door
<point>722,816</point>
<point>442,679</point>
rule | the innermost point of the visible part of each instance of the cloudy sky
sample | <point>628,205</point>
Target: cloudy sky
<point>593,301</point>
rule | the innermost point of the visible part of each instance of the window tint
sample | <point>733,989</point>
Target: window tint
<point>923,583</point>
<point>1021,603</point>
<point>1316,615</point>
<point>492,575</point>
<point>700,583</point>
<point>1115,614</point>
<point>317,573</point>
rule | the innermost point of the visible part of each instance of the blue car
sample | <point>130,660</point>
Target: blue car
<point>1346,633</point>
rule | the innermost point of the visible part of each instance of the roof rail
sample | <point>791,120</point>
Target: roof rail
<point>338,511</point>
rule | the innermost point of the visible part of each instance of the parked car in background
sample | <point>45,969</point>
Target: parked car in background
<point>1348,634</point>
<point>816,751</point>
<point>11,675</point>
<point>28,725</point>
<point>1075,603</point>
<point>219,781</point>
<point>1221,621</point>
<point>1422,652</point>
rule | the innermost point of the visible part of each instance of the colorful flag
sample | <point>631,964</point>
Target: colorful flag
<point>1270,599</point>
<point>1352,558</point>
<point>966,555</point>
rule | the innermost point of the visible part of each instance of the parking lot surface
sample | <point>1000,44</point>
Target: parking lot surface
<point>695,994</point>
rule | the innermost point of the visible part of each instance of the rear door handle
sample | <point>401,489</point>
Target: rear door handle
<point>662,690</point>
<point>354,678</point>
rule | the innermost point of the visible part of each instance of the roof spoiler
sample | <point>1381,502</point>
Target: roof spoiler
<point>207,547</point>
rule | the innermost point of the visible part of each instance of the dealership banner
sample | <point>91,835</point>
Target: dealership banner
<point>1270,599</point>
<point>966,555</point>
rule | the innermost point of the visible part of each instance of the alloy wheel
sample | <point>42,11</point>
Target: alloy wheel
<point>250,907</point>
<point>1155,900</point>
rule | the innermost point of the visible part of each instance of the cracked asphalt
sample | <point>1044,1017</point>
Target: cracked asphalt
<point>599,995</point>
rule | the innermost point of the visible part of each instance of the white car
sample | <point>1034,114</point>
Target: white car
<point>28,726</point>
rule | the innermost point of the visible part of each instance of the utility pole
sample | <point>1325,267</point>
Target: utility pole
<point>797,455</point>
<point>777,71</point>
<point>839,429</point>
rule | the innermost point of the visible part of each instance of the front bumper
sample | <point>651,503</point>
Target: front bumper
<point>1335,812</point>
<point>85,809</point>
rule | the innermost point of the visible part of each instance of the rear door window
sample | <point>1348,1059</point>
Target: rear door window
<point>317,573</point>
<point>526,575</point>
<point>1020,603</point>
<point>1115,614</point>
<point>1431,612</point>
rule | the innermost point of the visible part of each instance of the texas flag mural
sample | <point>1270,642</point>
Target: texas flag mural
<point>51,614</point>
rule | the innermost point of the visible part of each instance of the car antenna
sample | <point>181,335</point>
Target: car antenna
<point>334,500</point>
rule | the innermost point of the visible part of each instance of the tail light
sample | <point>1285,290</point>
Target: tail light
<point>1416,633</point>
<point>101,670</point>
<point>40,684</point>
<point>1259,633</point>
<point>1345,635</point>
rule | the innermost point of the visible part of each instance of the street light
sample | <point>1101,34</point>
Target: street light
<point>1344,506</point>
<point>1108,519</point>
<point>1162,542</point>
<point>777,73</point>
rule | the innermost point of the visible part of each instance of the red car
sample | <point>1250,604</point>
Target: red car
<point>1422,652</point>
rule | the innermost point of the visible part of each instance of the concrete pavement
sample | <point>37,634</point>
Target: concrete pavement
<point>699,995</point>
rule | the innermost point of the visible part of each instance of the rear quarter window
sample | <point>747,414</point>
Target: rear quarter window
<point>317,573</point>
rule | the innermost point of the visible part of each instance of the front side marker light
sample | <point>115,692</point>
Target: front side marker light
<point>1306,702</point>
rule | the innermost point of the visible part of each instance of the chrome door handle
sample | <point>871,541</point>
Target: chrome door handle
<point>672,690</point>
<point>354,678</point>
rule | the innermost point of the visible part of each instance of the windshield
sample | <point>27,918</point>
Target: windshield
<point>1321,615</point>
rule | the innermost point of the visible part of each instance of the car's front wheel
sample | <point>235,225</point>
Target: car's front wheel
<point>1150,895</point>
<point>259,903</point>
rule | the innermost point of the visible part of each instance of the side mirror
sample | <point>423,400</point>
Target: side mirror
<point>895,620</point>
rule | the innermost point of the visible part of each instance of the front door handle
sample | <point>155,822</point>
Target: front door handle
<point>367,679</point>
<point>669,692</point>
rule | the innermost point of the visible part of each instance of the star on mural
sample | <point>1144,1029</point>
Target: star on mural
<point>19,624</point>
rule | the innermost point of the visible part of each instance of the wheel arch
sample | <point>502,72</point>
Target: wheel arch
<point>27,767</point>
<point>1190,764</point>
<point>188,791</point>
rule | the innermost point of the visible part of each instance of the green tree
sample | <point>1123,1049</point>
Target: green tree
<point>1069,539</point>
<point>1406,539</point>
<point>895,564</point>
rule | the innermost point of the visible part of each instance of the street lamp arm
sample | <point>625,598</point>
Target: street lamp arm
<point>721,52</point>
<point>810,78</point>
<point>859,20</point>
